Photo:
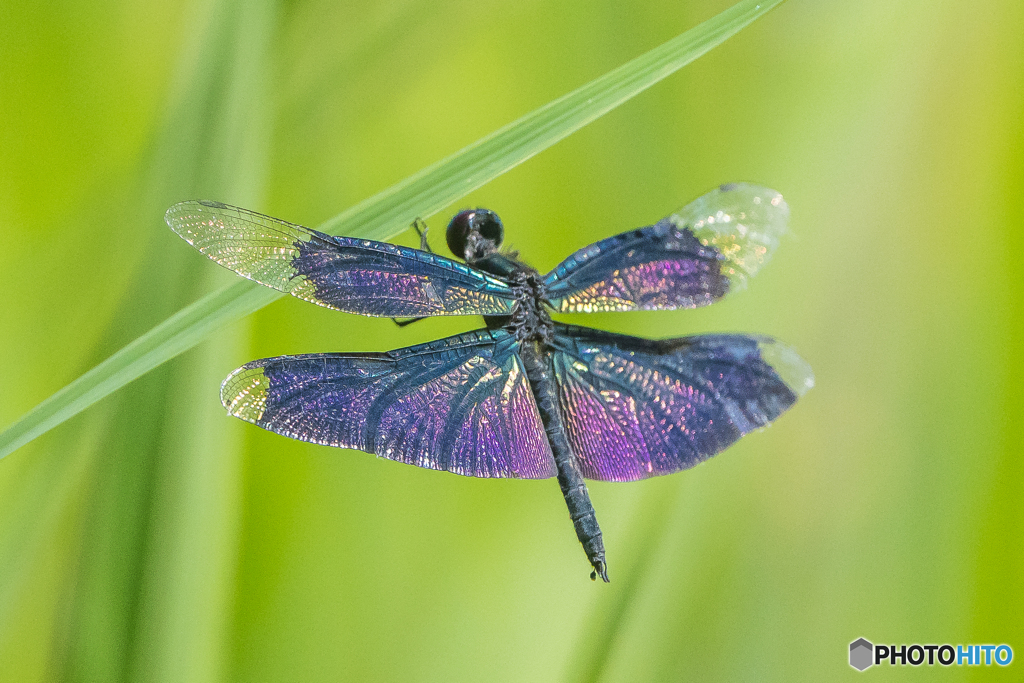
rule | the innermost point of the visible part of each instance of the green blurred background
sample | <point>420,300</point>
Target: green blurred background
<point>153,539</point>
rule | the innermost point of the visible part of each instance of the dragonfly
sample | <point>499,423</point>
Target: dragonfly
<point>526,396</point>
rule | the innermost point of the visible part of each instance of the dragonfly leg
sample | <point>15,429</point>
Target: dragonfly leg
<point>406,321</point>
<point>420,226</point>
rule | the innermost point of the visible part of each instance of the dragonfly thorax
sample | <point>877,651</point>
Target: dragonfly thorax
<point>479,232</point>
<point>530,319</point>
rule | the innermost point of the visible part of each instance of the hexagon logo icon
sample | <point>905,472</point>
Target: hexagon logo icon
<point>861,654</point>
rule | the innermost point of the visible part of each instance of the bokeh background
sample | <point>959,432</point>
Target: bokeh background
<point>153,539</point>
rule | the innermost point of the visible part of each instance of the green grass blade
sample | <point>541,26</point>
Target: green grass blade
<point>392,210</point>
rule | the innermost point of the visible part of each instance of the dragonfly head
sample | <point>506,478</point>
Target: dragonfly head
<point>475,233</point>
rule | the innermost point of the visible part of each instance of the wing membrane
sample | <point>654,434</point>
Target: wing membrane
<point>353,275</point>
<point>461,404</point>
<point>636,408</point>
<point>691,258</point>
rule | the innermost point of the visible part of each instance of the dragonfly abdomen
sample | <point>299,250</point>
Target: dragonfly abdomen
<point>537,363</point>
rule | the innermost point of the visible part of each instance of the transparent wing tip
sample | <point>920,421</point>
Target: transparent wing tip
<point>743,222</point>
<point>788,365</point>
<point>173,216</point>
<point>256,247</point>
<point>244,393</point>
<point>191,222</point>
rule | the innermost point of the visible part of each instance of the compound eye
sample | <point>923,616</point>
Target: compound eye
<point>458,231</point>
<point>479,230</point>
<point>490,227</point>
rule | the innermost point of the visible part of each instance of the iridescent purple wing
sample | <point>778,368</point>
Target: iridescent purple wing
<point>636,408</point>
<point>461,404</point>
<point>691,258</point>
<point>344,273</point>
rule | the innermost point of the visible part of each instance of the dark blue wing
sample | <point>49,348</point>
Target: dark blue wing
<point>461,404</point>
<point>353,275</point>
<point>636,408</point>
<point>688,259</point>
